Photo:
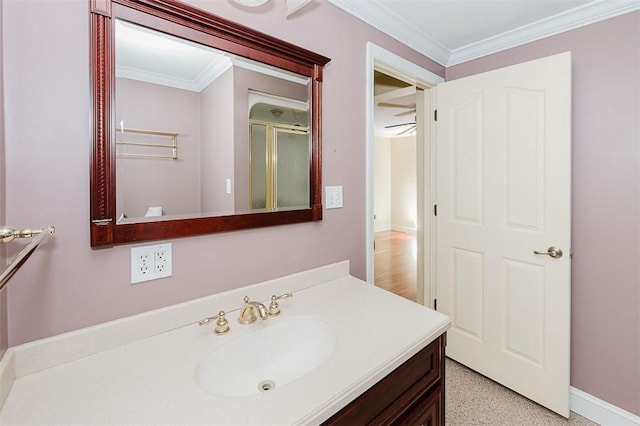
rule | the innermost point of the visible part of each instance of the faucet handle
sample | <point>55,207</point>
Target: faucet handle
<point>274,308</point>
<point>222,325</point>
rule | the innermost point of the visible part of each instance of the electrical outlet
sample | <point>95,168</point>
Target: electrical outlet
<point>150,262</point>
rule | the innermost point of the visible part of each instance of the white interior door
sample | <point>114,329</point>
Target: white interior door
<point>503,192</point>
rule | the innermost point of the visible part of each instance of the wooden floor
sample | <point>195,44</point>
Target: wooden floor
<point>395,263</point>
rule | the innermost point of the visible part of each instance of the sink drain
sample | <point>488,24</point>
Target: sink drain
<point>266,386</point>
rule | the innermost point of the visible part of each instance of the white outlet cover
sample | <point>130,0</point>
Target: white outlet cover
<point>150,262</point>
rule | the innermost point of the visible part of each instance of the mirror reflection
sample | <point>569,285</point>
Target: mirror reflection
<point>279,153</point>
<point>201,132</point>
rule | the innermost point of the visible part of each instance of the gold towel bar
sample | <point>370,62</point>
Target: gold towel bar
<point>173,146</point>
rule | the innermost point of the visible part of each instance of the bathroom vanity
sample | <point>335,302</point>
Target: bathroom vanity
<point>381,361</point>
<point>413,394</point>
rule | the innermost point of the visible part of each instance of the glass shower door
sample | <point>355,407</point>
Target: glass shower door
<point>292,152</point>
<point>280,168</point>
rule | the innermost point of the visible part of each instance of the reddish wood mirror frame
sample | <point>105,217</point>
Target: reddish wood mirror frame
<point>182,20</point>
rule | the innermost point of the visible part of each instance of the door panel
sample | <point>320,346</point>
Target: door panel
<point>525,156</point>
<point>467,144</point>
<point>468,290</point>
<point>524,326</point>
<point>503,190</point>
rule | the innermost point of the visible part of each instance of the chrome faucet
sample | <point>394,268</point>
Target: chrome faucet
<point>251,311</point>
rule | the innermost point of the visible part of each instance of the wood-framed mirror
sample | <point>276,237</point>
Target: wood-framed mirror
<point>175,157</point>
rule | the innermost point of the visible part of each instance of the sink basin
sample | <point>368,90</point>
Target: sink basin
<point>266,359</point>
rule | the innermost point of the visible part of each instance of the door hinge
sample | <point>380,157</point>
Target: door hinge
<point>435,304</point>
<point>435,115</point>
<point>374,245</point>
<point>435,210</point>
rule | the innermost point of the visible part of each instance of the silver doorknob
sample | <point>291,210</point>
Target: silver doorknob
<point>554,252</point>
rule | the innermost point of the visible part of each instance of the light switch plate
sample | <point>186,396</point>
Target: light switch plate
<point>333,195</point>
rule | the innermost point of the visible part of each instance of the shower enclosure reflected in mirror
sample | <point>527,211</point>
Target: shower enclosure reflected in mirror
<point>279,153</point>
<point>200,125</point>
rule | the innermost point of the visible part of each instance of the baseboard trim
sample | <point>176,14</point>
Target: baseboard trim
<point>600,411</point>
<point>403,229</point>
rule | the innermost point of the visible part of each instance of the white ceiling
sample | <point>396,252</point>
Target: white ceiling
<point>147,55</point>
<point>455,31</point>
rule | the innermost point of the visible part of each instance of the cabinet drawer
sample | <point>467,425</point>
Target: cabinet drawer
<point>426,411</point>
<point>393,397</point>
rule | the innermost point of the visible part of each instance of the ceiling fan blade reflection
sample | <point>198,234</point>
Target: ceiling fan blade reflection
<point>400,114</point>
<point>410,130</point>
<point>390,105</point>
<point>390,126</point>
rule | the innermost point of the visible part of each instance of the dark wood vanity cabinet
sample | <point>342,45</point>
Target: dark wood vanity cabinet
<point>412,394</point>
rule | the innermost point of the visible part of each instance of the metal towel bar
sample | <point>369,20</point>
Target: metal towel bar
<point>9,234</point>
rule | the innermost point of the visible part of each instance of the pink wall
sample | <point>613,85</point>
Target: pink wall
<point>605,360</point>
<point>67,285</point>
<point>141,183</point>
<point>3,258</point>
<point>216,109</point>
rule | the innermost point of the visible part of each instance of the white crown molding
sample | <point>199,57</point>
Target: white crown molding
<point>266,98</point>
<point>375,14</point>
<point>268,70</point>
<point>378,16</point>
<point>210,73</point>
<point>155,78</point>
<point>214,70</point>
<point>575,18</point>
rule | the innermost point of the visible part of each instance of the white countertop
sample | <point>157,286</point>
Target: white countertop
<point>151,380</point>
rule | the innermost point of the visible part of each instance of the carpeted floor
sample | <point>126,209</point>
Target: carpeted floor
<point>472,399</point>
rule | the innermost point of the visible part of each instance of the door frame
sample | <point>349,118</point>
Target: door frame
<point>391,64</point>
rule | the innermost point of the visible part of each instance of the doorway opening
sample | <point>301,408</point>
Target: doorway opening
<point>420,81</point>
<point>395,185</point>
